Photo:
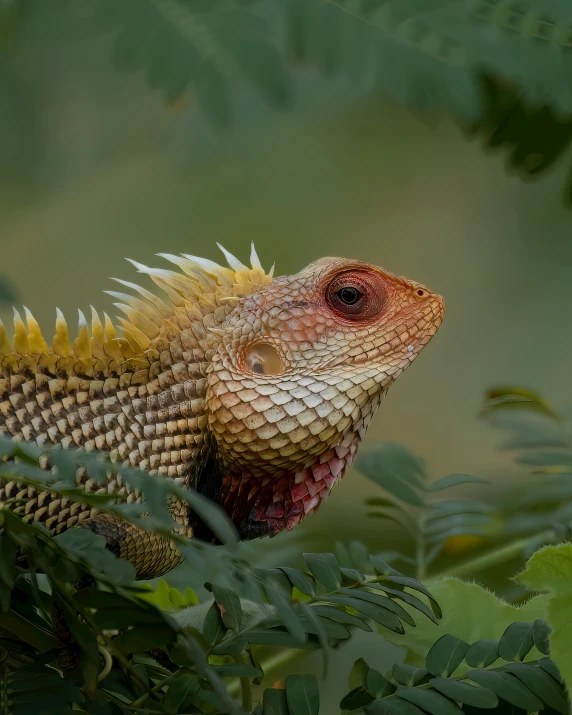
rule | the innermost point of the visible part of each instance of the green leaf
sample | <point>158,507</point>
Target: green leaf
<point>302,694</point>
<point>213,626</point>
<point>180,686</point>
<point>548,665</point>
<point>324,628</point>
<point>299,580</point>
<point>549,568</point>
<point>379,600</point>
<point>415,585</point>
<point>335,614</point>
<point>326,569</point>
<point>446,655</point>
<point>546,459</point>
<point>380,501</point>
<point>462,692</point>
<point>559,615</point>
<point>377,613</point>
<point>408,598</point>
<point>392,706</point>
<point>516,642</point>
<point>140,639</point>
<point>507,687</point>
<point>232,616</point>
<point>396,470</point>
<point>214,517</point>
<point>256,636</point>
<point>501,398</point>
<point>447,508</point>
<point>286,612</point>
<point>358,674</point>
<point>430,700</point>
<point>237,670</point>
<point>541,634</point>
<point>274,702</point>
<point>541,684</point>
<point>382,567</point>
<point>453,480</point>
<point>409,675</point>
<point>352,575</point>
<point>8,552</point>
<point>355,699</point>
<point>377,685</point>
<point>482,654</point>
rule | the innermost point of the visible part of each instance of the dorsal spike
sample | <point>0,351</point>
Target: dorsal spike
<point>138,340</point>
<point>21,344</point>
<point>35,338</point>
<point>140,321</point>
<point>161,306</point>
<point>254,260</point>
<point>178,282</point>
<point>81,346</point>
<point>110,333</point>
<point>5,347</point>
<point>61,342</point>
<point>144,308</point>
<point>232,261</point>
<point>205,264</point>
<point>97,335</point>
<point>206,281</point>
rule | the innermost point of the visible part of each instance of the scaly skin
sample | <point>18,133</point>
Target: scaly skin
<point>253,390</point>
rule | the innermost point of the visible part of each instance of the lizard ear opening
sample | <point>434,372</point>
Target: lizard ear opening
<point>263,359</point>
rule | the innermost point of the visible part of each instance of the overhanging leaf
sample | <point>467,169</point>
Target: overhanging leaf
<point>326,569</point>
<point>302,694</point>
<point>516,641</point>
<point>446,655</point>
<point>431,701</point>
<point>482,653</point>
<point>507,687</point>
<point>462,692</point>
<point>542,684</point>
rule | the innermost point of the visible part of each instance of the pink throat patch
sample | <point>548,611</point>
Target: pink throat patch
<point>283,502</point>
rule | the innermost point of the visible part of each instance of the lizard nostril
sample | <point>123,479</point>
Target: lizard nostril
<point>263,358</point>
<point>420,293</point>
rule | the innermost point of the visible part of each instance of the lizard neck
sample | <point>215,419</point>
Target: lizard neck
<point>267,505</point>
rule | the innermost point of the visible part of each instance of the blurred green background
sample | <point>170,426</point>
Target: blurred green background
<point>94,167</point>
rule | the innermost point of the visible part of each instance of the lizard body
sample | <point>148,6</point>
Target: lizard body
<point>254,390</point>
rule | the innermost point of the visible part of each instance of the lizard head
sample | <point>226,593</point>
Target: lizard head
<point>301,366</point>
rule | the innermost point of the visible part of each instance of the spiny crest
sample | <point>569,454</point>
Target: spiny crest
<point>198,293</point>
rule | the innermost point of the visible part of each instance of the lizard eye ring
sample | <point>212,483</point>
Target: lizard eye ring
<point>356,295</point>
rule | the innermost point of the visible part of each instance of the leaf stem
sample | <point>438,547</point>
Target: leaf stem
<point>245,686</point>
<point>495,556</point>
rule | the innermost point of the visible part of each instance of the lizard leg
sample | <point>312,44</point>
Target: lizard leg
<point>151,554</point>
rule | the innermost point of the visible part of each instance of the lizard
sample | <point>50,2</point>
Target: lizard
<point>254,390</point>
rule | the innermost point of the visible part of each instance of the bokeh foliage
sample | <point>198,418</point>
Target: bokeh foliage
<point>501,69</point>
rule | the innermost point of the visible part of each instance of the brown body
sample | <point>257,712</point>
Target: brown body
<point>256,391</point>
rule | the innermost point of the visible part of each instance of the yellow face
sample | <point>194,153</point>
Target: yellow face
<point>305,362</point>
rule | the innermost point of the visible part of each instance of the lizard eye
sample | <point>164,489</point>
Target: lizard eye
<point>357,295</point>
<point>349,295</point>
